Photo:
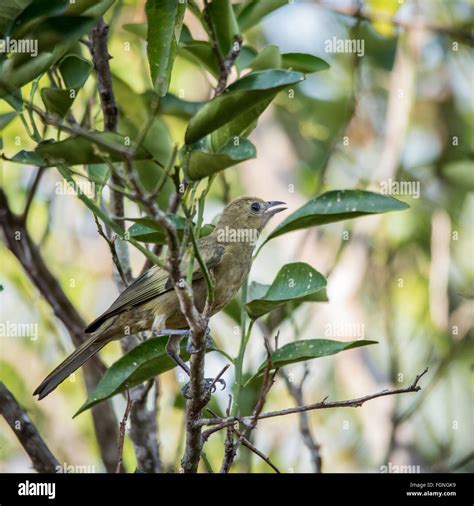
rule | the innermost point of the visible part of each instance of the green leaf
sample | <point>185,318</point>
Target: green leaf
<point>28,157</point>
<point>202,163</point>
<point>6,118</point>
<point>165,18</point>
<point>337,205</point>
<point>147,360</point>
<point>241,100</point>
<point>255,10</point>
<point>246,56</point>
<point>174,106</point>
<point>202,53</point>
<point>57,101</point>
<point>54,35</point>
<point>74,71</point>
<point>301,62</point>
<point>301,351</point>
<point>268,58</point>
<point>99,173</point>
<point>294,282</point>
<point>148,230</point>
<point>9,10</point>
<point>78,151</point>
<point>139,29</point>
<point>224,23</point>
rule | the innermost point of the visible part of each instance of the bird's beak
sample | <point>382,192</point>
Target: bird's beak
<point>271,209</point>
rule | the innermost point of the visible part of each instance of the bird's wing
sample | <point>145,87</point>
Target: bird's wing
<point>156,281</point>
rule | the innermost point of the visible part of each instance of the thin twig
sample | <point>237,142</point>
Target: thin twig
<point>113,251</point>
<point>351,403</point>
<point>227,64</point>
<point>32,192</point>
<point>123,425</point>
<point>254,449</point>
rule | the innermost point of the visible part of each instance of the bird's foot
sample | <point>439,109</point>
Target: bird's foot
<point>210,386</point>
<point>191,349</point>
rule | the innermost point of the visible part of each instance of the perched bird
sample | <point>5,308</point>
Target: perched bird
<point>150,302</point>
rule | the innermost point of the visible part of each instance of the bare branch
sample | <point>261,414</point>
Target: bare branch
<point>19,421</point>
<point>248,444</point>
<point>351,403</point>
<point>227,64</point>
<point>19,242</point>
<point>32,192</point>
<point>268,380</point>
<point>143,421</point>
<point>308,439</point>
<point>123,425</point>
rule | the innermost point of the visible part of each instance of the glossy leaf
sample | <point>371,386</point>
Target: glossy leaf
<point>242,97</point>
<point>57,101</point>
<point>99,173</point>
<point>28,157</point>
<point>268,58</point>
<point>9,10</point>
<point>304,350</point>
<point>224,23</point>
<point>147,360</point>
<point>6,118</point>
<point>203,163</point>
<point>148,230</point>
<point>78,151</point>
<point>174,106</point>
<point>246,56</point>
<point>202,53</point>
<point>138,29</point>
<point>74,71</point>
<point>335,206</point>
<point>301,62</point>
<point>295,282</point>
<point>165,19</point>
<point>255,10</point>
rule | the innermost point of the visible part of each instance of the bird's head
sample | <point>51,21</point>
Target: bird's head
<point>247,216</point>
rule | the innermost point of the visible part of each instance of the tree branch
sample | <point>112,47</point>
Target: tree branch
<point>221,423</point>
<point>123,426</point>
<point>143,421</point>
<point>19,242</point>
<point>20,423</point>
<point>308,439</point>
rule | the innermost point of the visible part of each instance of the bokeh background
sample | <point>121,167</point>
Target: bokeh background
<point>402,111</point>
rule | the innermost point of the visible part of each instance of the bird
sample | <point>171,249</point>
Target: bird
<point>150,301</point>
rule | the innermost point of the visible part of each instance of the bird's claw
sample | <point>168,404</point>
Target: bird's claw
<point>191,349</point>
<point>210,387</point>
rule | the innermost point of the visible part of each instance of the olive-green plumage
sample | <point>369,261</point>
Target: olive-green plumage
<point>151,302</point>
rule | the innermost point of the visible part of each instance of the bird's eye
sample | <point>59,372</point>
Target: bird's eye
<point>255,207</point>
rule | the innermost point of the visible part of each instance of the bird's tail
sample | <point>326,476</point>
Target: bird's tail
<point>70,364</point>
